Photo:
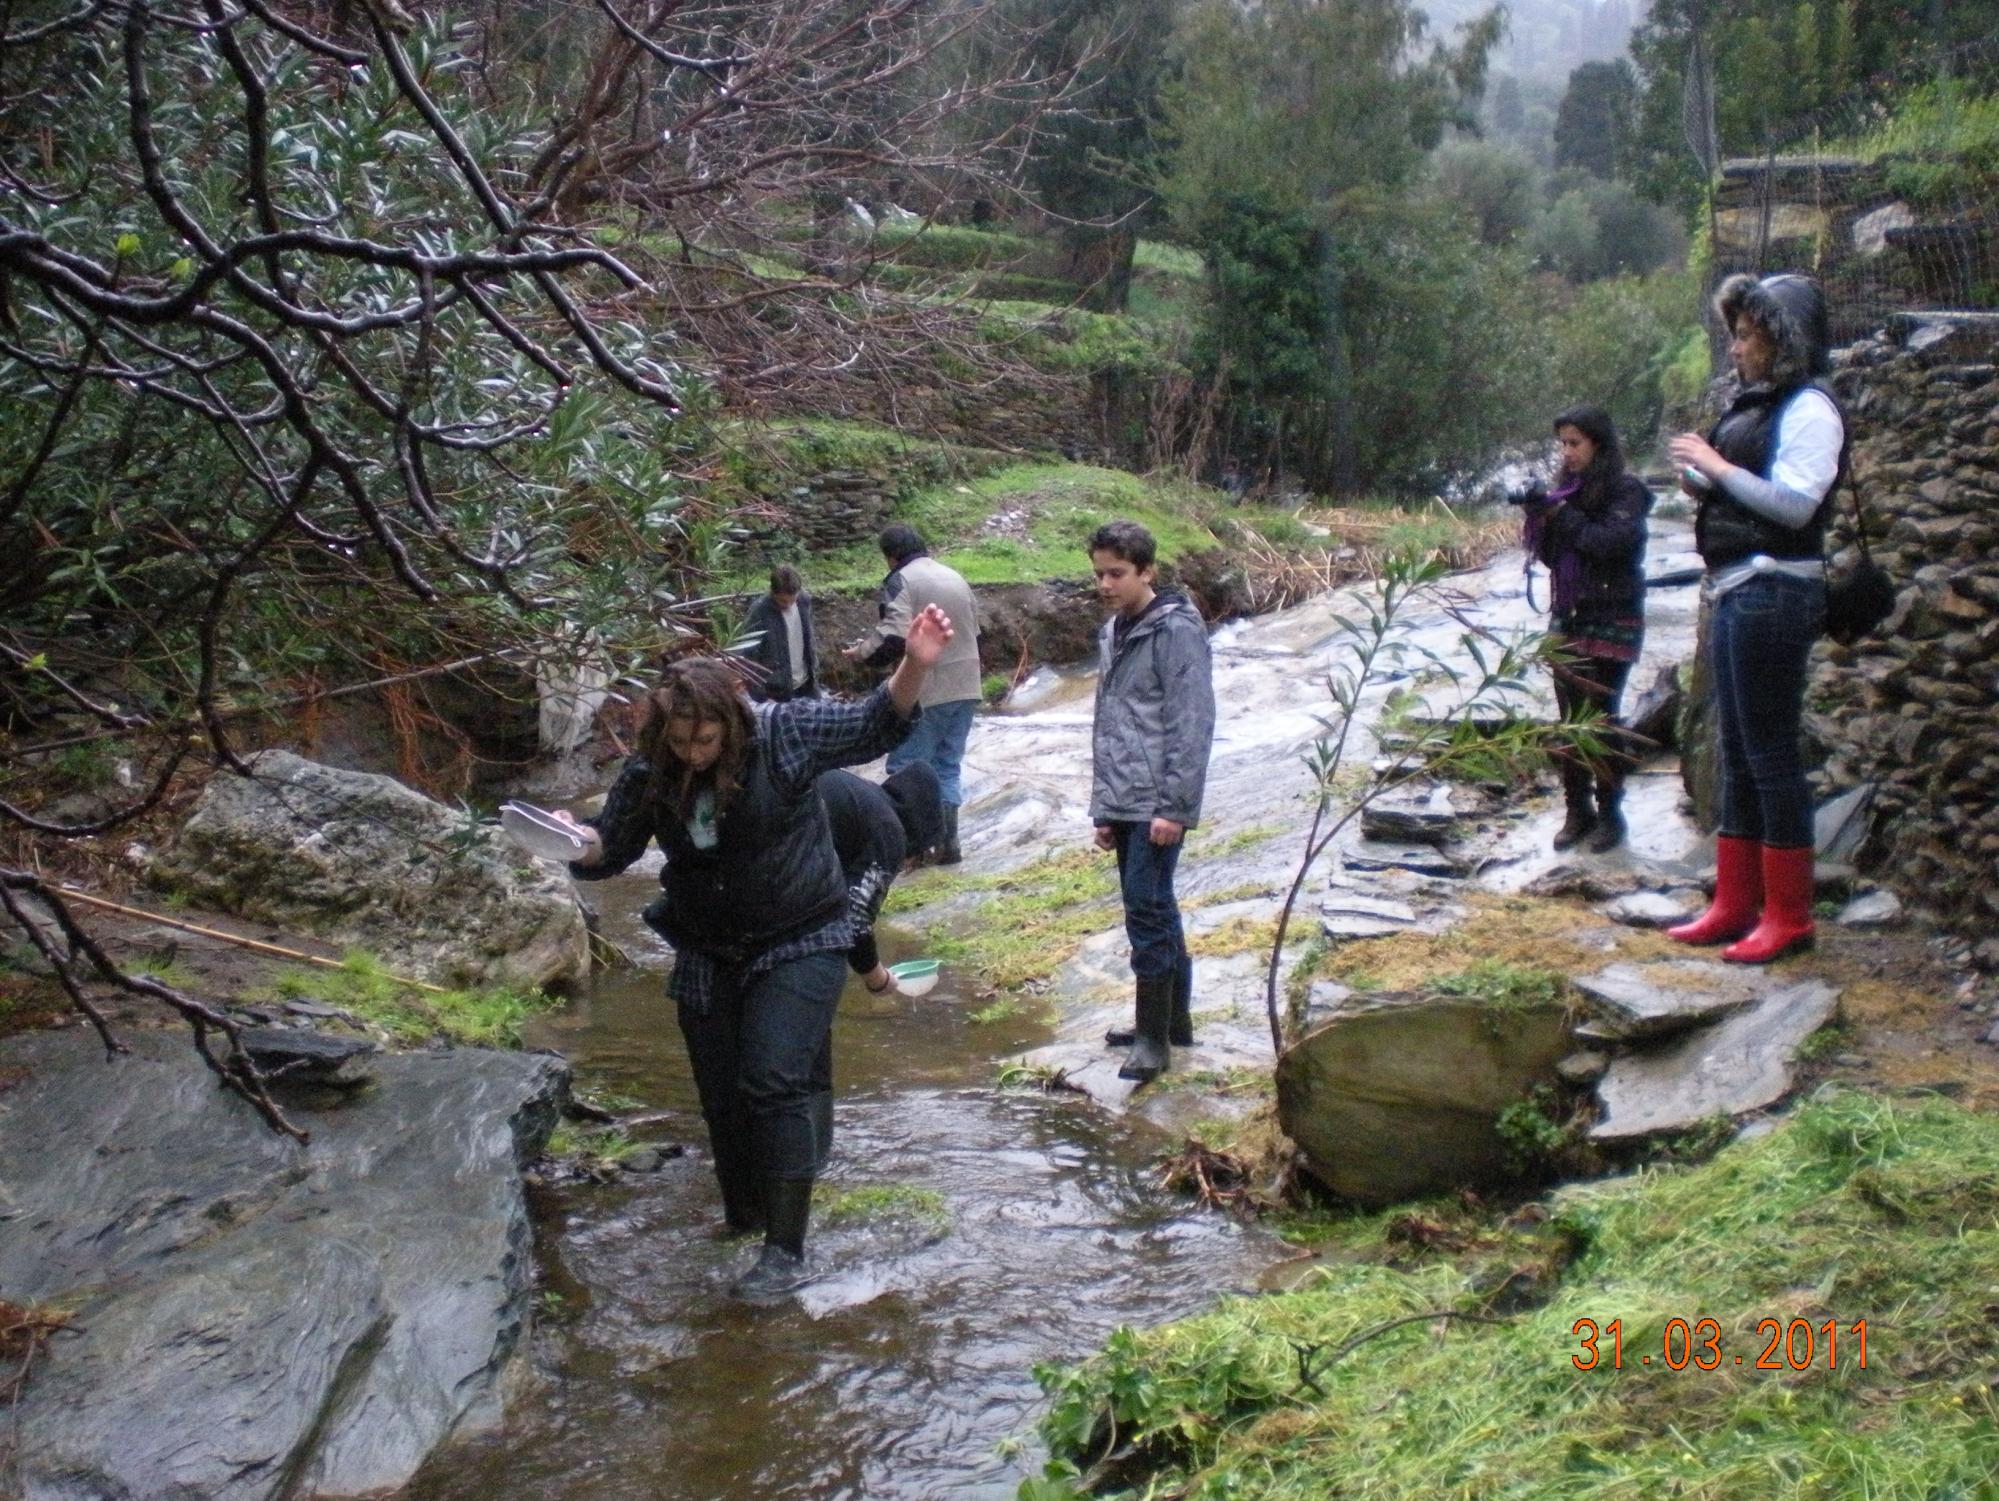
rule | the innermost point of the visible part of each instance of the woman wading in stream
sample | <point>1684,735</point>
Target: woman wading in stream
<point>1589,528</point>
<point>756,909</point>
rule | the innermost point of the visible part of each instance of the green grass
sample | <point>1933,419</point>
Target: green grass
<point>1168,260</point>
<point>1494,982</point>
<point>1063,503</point>
<point>491,1017</point>
<point>1031,920</point>
<point>874,1203</point>
<point>1860,1208</point>
<point>960,247</point>
<point>1940,146</point>
<point>591,1147</point>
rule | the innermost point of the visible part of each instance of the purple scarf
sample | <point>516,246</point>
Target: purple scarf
<point>1565,574</point>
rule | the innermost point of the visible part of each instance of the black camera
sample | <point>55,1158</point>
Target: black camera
<point>1534,494</point>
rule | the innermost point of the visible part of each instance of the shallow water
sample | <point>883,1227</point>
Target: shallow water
<point>1034,1227</point>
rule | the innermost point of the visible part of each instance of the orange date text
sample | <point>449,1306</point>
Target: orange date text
<point>1778,1345</point>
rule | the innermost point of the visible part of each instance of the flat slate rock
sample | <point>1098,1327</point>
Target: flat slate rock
<point>1648,909</point>
<point>1347,916</point>
<point>1877,909</point>
<point>1429,819</point>
<point>1420,859</point>
<point>1642,1002</point>
<point>1741,1064</point>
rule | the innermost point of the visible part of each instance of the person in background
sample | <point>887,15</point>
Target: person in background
<point>784,651</point>
<point>1589,528</point>
<point>1762,478</point>
<point>756,908</point>
<point>1153,730</point>
<point>916,581</point>
<point>874,829</point>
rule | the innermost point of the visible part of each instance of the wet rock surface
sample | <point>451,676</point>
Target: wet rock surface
<point>358,858</point>
<point>256,1318</point>
<point>1743,1063</point>
<point>1399,1094</point>
<point>1637,1003</point>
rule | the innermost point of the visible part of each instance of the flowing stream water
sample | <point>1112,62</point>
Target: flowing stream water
<point>1019,1227</point>
<point>1012,1227</point>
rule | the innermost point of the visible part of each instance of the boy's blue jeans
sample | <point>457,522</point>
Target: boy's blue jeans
<point>1151,911</point>
<point>1759,640</point>
<point>939,737</point>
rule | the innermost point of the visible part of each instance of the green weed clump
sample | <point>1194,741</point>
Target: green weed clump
<point>1034,919</point>
<point>490,1017</point>
<point>1860,1209</point>
<point>876,1203</point>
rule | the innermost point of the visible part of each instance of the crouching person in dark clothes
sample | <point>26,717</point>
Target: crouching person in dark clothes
<point>874,831</point>
<point>756,910</point>
<point>1155,724</point>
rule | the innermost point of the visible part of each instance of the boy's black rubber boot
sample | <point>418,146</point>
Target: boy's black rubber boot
<point>1151,1053</point>
<point>1180,1030</point>
<point>948,852</point>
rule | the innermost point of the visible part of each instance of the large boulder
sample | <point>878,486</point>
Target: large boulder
<point>1399,1093</point>
<point>255,1318</point>
<point>360,859</point>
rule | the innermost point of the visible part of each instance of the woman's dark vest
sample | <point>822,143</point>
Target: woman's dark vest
<point>772,876</point>
<point>1725,530</point>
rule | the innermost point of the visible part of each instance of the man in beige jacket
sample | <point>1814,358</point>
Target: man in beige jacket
<point>952,691</point>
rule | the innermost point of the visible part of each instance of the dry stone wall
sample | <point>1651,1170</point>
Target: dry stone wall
<point>1912,710</point>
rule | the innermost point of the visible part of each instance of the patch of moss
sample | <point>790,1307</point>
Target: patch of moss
<point>490,1017</point>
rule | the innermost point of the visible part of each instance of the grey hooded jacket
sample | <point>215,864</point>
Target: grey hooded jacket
<point>1155,719</point>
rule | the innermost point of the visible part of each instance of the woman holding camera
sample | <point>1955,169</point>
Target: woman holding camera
<point>1761,477</point>
<point>1589,528</point>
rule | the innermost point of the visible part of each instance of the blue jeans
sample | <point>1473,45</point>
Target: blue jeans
<point>939,738</point>
<point>1759,639</point>
<point>1151,911</point>
<point>761,1052</point>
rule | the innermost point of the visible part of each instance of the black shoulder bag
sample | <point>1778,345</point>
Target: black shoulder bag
<point>1861,596</point>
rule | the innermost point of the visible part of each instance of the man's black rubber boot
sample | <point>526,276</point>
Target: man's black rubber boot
<point>781,1267</point>
<point>1180,1030</point>
<point>948,852</point>
<point>1151,1055</point>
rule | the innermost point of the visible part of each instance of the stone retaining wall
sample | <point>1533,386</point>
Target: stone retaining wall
<point>1913,709</point>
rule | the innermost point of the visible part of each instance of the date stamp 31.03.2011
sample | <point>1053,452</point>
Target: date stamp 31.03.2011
<point>1777,1345</point>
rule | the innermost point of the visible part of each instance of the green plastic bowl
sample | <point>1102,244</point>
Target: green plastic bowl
<point>916,976</point>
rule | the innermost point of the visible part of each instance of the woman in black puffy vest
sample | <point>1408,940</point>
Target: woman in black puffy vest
<point>755,906</point>
<point>1763,479</point>
<point>1589,528</point>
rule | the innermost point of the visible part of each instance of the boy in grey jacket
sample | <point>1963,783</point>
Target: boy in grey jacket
<point>1155,724</point>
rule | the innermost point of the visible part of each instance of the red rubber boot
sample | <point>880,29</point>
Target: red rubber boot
<point>1786,927</point>
<point>1738,894</point>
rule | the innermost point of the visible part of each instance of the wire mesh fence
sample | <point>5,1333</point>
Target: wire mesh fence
<point>1890,194</point>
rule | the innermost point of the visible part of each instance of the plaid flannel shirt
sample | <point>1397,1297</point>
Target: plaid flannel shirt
<point>802,738</point>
